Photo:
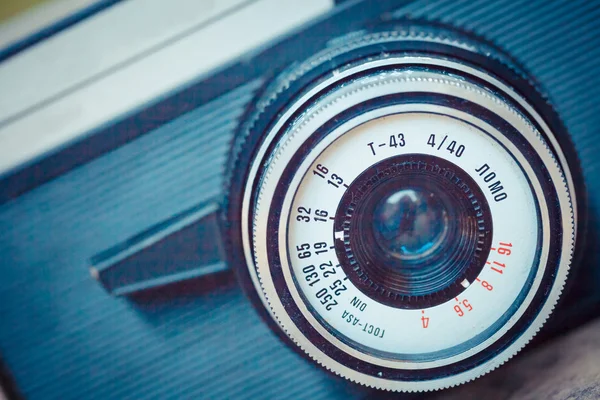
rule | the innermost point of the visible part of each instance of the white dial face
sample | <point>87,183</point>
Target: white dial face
<point>412,333</point>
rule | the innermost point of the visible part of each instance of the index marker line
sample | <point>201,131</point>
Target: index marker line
<point>443,140</point>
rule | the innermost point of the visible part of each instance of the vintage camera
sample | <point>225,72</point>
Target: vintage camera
<point>405,192</point>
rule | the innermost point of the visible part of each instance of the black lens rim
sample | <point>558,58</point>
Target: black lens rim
<point>368,268</point>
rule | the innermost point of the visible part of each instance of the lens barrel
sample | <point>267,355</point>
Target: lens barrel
<point>405,209</point>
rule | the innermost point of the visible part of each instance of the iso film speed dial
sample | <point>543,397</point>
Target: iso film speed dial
<point>404,208</point>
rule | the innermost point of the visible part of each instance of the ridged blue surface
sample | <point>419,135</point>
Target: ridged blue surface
<point>63,337</point>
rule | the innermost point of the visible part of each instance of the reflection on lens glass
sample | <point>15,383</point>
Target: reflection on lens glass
<point>410,223</point>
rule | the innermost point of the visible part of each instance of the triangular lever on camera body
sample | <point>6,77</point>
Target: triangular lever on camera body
<point>184,247</point>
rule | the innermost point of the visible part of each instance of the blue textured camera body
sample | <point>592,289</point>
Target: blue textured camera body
<point>114,282</point>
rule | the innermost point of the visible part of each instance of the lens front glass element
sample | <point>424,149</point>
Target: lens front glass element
<point>410,223</point>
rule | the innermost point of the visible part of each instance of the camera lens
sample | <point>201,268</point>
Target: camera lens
<point>417,231</point>
<point>405,220</point>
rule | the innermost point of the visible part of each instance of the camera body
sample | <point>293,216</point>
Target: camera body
<point>142,201</point>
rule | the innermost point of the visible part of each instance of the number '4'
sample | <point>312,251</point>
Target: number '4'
<point>425,321</point>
